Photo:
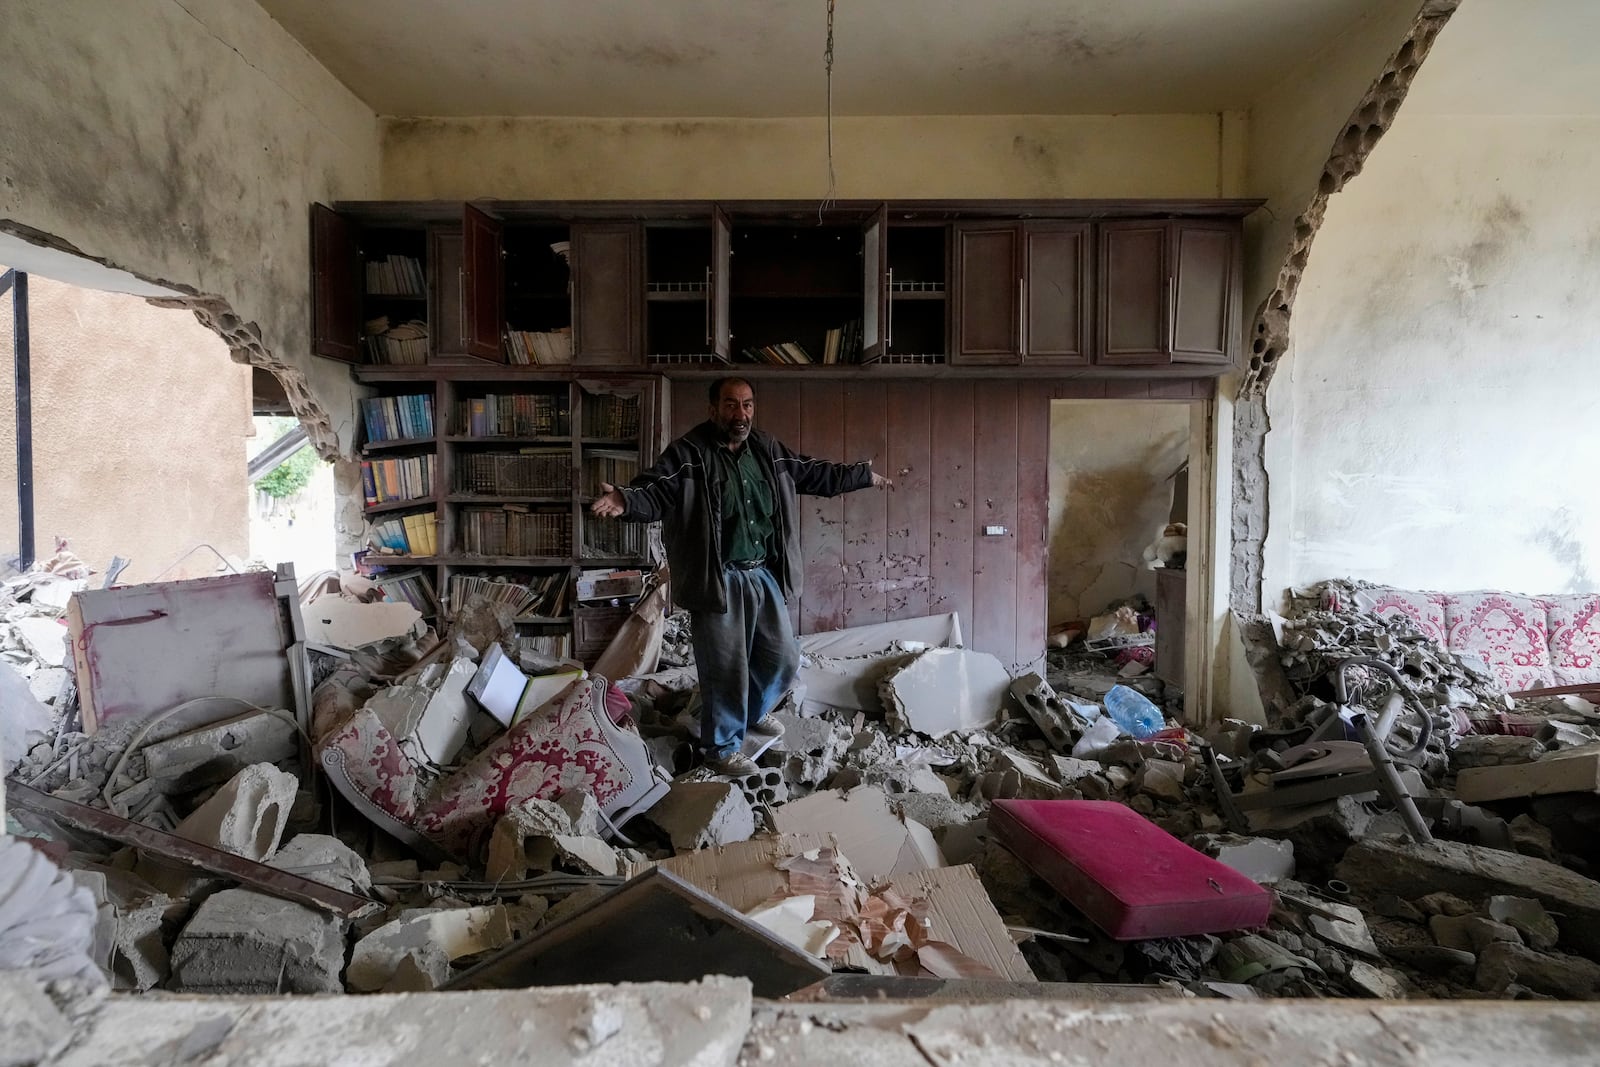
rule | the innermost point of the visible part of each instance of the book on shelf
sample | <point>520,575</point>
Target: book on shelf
<point>614,540</point>
<point>546,595</point>
<point>402,345</point>
<point>514,530</point>
<point>610,416</point>
<point>409,587</point>
<point>396,276</point>
<point>397,418</point>
<point>539,348</point>
<point>784,353</point>
<point>409,535</point>
<point>614,466</point>
<point>548,646</point>
<point>530,470</point>
<point>830,347</point>
<point>514,415</point>
<point>385,481</point>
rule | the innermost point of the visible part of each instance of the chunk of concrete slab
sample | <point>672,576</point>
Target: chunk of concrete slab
<point>1470,933</point>
<point>583,811</point>
<point>1573,770</point>
<point>324,859</point>
<point>217,752</point>
<point>1378,865</point>
<point>701,814</point>
<point>1558,975</point>
<point>864,825</point>
<point>1047,710</point>
<point>1032,782</point>
<point>533,820</point>
<point>1070,770</point>
<point>243,942</point>
<point>1348,931</point>
<point>945,691</point>
<point>1528,918</point>
<point>425,935</point>
<point>45,638</point>
<point>247,815</point>
<point>1376,981</point>
<point>1263,859</point>
<point>1161,779</point>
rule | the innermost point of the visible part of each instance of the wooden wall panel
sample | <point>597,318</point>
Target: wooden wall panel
<point>950,519</point>
<point>688,406</point>
<point>822,519</point>
<point>995,592</point>
<point>909,534</point>
<point>778,413</point>
<point>866,512</point>
<point>1033,519</point>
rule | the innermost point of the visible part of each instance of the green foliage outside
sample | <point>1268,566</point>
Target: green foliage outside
<point>294,473</point>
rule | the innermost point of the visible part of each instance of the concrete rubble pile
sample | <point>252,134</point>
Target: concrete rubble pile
<point>863,841</point>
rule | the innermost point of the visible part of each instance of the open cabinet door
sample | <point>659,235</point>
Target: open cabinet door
<point>875,305</point>
<point>721,264</point>
<point>335,297</point>
<point>483,286</point>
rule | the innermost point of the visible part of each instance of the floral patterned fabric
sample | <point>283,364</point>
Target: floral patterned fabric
<point>1575,638</point>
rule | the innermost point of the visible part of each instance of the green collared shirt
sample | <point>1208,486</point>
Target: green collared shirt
<point>747,506</point>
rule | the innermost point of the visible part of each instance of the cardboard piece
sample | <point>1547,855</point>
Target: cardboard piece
<point>880,844</point>
<point>1573,770</point>
<point>655,928</point>
<point>960,913</point>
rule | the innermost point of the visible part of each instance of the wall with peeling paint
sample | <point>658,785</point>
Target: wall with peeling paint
<point>1437,425</point>
<point>118,467</point>
<point>1111,464</point>
<point>183,142</point>
<point>897,156</point>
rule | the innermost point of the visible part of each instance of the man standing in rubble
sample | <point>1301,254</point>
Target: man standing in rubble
<point>725,496</point>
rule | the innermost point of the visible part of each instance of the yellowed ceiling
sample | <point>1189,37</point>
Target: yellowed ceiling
<point>697,58</point>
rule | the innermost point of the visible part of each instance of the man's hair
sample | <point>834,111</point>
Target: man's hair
<point>715,394</point>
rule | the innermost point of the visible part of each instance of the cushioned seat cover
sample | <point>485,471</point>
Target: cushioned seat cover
<point>1130,877</point>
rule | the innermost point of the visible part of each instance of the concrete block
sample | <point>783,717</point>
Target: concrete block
<point>1470,933</point>
<point>583,812</point>
<point>1493,750</point>
<point>700,814</point>
<point>1574,770</point>
<point>34,1029</point>
<point>246,816</point>
<point>1555,974</point>
<point>1161,779</point>
<point>1528,918</point>
<point>324,859</point>
<point>537,834</point>
<point>1263,859</point>
<point>1376,981</point>
<point>1047,710</point>
<point>427,937</point>
<point>1032,782</point>
<point>1069,771</point>
<point>240,941</point>
<point>217,752</point>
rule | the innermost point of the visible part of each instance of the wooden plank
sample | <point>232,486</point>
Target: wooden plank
<point>822,519</point>
<point>908,536</point>
<point>951,481</point>
<point>866,513</point>
<point>994,557</point>
<point>1033,522</point>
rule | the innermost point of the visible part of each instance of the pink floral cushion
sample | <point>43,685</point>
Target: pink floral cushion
<point>1425,610</point>
<point>1575,638</point>
<point>371,762</point>
<point>1508,632</point>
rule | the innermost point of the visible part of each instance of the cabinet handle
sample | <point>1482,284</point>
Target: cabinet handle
<point>1022,318</point>
<point>1172,313</point>
<point>461,301</point>
<point>708,309</point>
<point>888,332</point>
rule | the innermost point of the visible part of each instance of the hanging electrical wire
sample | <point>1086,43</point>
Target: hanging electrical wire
<point>827,66</point>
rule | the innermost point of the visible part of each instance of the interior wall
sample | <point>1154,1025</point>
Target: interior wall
<point>184,141</point>
<point>964,456</point>
<point>121,467</point>
<point>1437,425</point>
<point>1111,465</point>
<point>890,157</point>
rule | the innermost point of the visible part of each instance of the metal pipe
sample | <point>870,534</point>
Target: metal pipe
<point>24,394</point>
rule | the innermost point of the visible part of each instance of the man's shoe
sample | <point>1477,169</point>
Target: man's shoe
<point>768,727</point>
<point>733,765</point>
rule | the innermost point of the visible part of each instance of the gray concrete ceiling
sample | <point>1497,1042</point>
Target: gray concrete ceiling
<point>696,58</point>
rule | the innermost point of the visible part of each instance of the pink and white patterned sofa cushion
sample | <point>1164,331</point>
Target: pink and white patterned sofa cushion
<point>1510,633</point>
<point>1426,611</point>
<point>1575,638</point>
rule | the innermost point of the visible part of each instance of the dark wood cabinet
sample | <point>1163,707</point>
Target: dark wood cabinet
<point>482,284</point>
<point>1022,293</point>
<point>607,281</point>
<point>446,248</point>
<point>335,286</point>
<point>1169,292</point>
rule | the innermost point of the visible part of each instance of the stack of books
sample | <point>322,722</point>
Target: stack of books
<point>387,480</point>
<point>402,345</point>
<point>513,530</point>
<point>843,344</point>
<point>396,276</point>
<point>397,418</point>
<point>613,466</point>
<point>614,540</point>
<point>409,535</point>
<point>525,347</point>
<point>782,353</point>
<point>532,470</point>
<point>516,415</point>
<point>548,596</point>
<point>551,646</point>
<point>610,417</point>
<point>409,587</point>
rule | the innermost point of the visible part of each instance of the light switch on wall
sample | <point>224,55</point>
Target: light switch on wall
<point>994,531</point>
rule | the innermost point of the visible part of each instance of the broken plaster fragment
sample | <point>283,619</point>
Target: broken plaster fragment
<point>944,691</point>
<point>245,817</point>
<point>427,934</point>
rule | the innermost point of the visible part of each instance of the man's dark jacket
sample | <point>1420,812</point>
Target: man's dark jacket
<point>684,491</point>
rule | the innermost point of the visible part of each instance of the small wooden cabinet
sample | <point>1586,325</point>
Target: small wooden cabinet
<point>1168,292</point>
<point>1022,293</point>
<point>607,283</point>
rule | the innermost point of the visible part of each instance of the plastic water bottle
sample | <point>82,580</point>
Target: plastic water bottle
<point>1132,710</point>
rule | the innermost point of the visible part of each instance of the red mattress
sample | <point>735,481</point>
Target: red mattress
<point>1130,877</point>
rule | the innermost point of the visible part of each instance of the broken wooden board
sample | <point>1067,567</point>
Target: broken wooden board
<point>960,913</point>
<point>1574,770</point>
<point>879,843</point>
<point>655,928</point>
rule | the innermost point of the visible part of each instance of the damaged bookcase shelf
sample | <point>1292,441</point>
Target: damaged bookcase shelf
<point>478,481</point>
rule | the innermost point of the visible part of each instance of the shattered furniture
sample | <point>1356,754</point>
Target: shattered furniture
<point>1130,877</point>
<point>1528,641</point>
<point>570,744</point>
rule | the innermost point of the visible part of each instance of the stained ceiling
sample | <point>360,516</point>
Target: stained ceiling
<point>699,58</point>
